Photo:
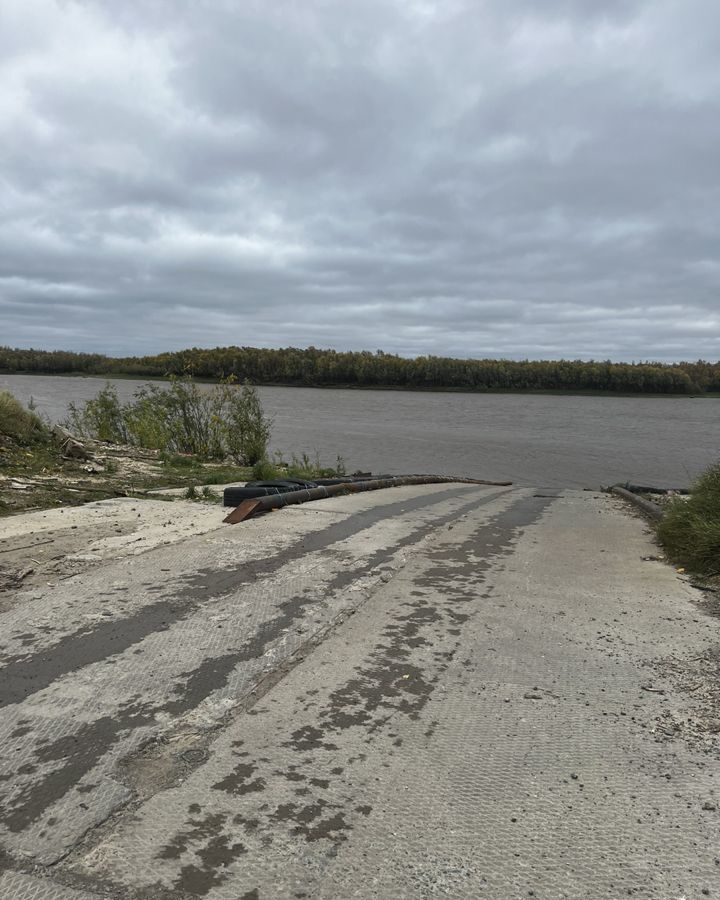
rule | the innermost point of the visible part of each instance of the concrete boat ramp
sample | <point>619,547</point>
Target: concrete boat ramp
<point>437,690</point>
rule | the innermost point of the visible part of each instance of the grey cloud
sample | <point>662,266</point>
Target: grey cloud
<point>483,179</point>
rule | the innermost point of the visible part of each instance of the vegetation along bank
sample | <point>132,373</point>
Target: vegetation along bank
<point>326,368</point>
<point>690,529</point>
<point>175,436</point>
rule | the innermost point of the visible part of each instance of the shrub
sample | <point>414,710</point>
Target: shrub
<point>263,470</point>
<point>226,421</point>
<point>690,529</point>
<point>18,423</point>
<point>304,467</point>
<point>101,418</point>
<point>246,429</point>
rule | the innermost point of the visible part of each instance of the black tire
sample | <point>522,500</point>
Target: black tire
<point>233,496</point>
<point>300,483</point>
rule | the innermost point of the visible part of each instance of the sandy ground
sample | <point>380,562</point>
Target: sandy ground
<point>42,547</point>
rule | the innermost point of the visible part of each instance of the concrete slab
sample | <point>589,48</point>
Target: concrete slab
<point>429,691</point>
<point>179,638</point>
<point>17,886</point>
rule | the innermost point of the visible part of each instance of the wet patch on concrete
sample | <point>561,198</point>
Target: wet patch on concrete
<point>312,821</point>
<point>24,675</point>
<point>309,786</point>
<point>21,676</point>
<point>76,754</point>
<point>390,683</point>
<point>212,583</point>
<point>308,738</point>
<point>212,850</point>
<point>238,781</point>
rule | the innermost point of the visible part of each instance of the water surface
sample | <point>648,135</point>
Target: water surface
<point>535,439</point>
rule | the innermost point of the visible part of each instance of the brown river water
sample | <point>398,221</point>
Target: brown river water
<point>533,439</point>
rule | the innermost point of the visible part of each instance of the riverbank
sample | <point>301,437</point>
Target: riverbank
<point>399,388</point>
<point>558,441</point>
<point>310,366</point>
<point>42,477</point>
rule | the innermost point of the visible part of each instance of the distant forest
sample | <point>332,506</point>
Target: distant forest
<point>309,367</point>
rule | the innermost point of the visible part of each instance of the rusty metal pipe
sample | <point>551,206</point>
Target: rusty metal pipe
<point>250,507</point>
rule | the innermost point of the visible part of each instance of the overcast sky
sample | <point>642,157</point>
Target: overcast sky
<point>491,178</point>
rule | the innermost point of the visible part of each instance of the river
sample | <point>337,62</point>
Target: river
<point>533,439</point>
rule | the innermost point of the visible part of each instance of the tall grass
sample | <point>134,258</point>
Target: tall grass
<point>690,529</point>
<point>225,422</point>
<point>19,424</point>
<point>299,467</point>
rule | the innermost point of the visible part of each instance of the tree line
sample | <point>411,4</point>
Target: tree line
<point>314,367</point>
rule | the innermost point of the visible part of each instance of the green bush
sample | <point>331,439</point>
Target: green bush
<point>101,418</point>
<point>226,421</point>
<point>18,423</point>
<point>690,529</point>
<point>246,430</point>
<point>263,470</point>
<point>299,467</point>
<point>304,467</point>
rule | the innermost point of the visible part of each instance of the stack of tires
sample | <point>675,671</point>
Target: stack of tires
<point>233,496</point>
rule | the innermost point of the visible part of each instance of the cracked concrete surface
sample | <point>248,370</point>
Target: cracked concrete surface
<point>429,691</point>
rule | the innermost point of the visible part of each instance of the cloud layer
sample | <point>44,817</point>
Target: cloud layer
<point>490,178</point>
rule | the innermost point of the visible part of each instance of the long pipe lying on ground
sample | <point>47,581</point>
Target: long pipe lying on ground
<point>251,507</point>
<point>644,489</point>
<point>647,506</point>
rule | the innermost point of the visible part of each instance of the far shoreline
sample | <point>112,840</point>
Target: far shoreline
<point>435,389</point>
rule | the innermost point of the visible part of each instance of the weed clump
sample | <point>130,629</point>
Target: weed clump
<point>225,422</point>
<point>299,467</point>
<point>264,470</point>
<point>101,418</point>
<point>690,529</point>
<point>19,424</point>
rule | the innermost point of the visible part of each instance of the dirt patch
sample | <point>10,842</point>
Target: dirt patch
<point>41,476</point>
<point>695,716</point>
<point>46,556</point>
